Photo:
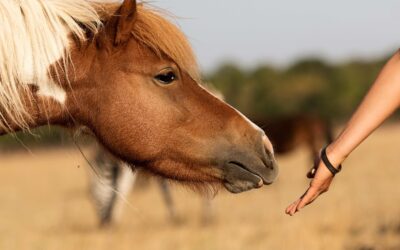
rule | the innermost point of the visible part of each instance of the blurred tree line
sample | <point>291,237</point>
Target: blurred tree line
<point>265,92</point>
<point>46,136</point>
<point>308,86</point>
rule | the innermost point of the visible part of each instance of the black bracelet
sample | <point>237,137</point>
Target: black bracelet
<point>328,164</point>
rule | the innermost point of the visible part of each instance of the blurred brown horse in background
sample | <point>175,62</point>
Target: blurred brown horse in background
<point>290,132</point>
<point>129,76</point>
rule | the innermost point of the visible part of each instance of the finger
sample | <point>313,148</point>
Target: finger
<point>289,208</point>
<point>294,208</point>
<point>311,195</point>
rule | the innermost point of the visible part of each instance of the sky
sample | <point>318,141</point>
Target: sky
<point>279,32</point>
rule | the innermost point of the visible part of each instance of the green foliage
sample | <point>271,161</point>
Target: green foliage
<point>310,85</point>
<point>44,136</point>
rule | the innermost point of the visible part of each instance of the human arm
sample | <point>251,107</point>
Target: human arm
<point>380,102</point>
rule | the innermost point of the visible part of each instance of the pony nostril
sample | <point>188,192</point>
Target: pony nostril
<point>272,164</point>
<point>268,145</point>
<point>269,159</point>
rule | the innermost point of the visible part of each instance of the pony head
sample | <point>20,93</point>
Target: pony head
<point>135,83</point>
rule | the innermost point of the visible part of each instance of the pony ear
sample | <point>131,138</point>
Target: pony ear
<point>126,16</point>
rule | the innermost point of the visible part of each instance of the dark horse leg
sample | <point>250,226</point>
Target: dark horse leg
<point>207,213</point>
<point>320,134</point>
<point>168,200</point>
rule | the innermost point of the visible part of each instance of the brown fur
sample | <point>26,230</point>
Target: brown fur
<point>180,130</point>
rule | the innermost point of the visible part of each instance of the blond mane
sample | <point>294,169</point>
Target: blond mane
<point>34,34</point>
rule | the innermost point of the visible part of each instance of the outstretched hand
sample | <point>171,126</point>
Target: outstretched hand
<point>321,180</point>
<point>380,102</point>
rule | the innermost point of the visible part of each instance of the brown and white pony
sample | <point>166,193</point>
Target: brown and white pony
<point>129,75</point>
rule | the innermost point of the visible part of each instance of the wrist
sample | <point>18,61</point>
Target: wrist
<point>335,156</point>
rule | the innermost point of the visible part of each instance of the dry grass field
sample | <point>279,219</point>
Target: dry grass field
<point>44,205</point>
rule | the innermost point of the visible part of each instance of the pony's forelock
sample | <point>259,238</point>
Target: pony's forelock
<point>153,29</point>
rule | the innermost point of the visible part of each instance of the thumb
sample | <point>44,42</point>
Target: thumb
<point>311,172</point>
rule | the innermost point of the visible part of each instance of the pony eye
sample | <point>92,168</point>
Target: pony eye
<point>166,78</point>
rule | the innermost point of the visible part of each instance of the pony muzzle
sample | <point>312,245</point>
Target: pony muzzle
<point>244,172</point>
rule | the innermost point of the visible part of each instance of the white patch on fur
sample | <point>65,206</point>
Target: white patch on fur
<point>35,34</point>
<point>220,96</point>
<point>266,140</point>
<point>53,91</point>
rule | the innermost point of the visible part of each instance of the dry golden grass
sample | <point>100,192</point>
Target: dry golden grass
<point>44,205</point>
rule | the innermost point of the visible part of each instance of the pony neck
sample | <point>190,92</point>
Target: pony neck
<point>40,111</point>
